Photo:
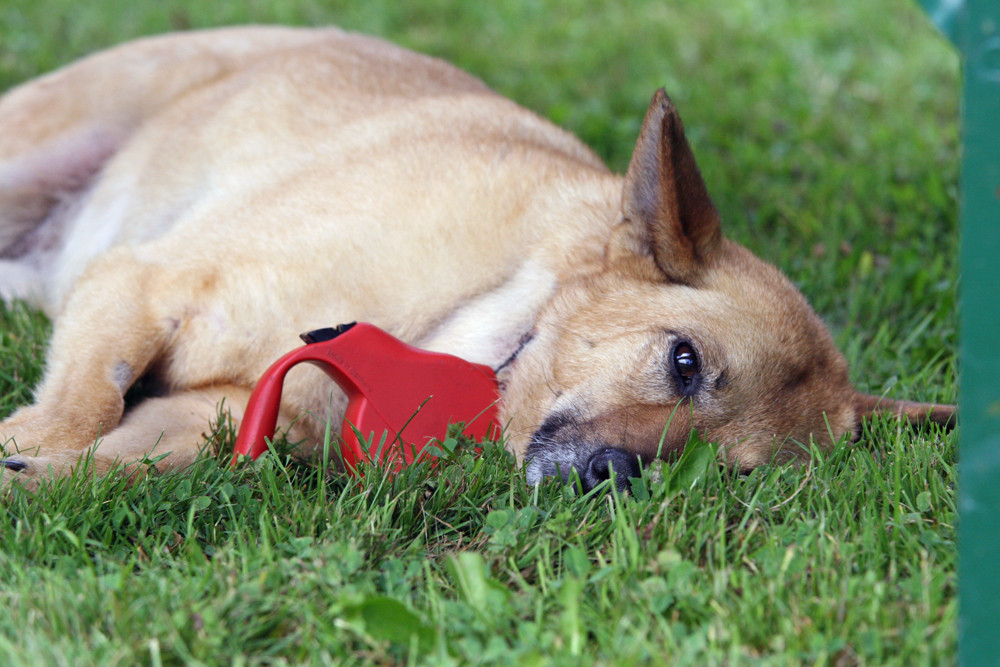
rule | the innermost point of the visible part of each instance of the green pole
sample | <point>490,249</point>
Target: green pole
<point>979,390</point>
<point>974,26</point>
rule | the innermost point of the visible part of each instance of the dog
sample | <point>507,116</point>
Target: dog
<point>183,206</point>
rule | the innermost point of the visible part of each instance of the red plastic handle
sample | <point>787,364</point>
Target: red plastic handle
<point>397,394</point>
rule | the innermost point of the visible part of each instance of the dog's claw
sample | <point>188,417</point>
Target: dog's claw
<point>16,466</point>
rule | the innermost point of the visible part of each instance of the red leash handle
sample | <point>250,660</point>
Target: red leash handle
<point>399,396</point>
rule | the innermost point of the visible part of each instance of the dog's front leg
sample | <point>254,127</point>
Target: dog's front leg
<point>106,337</point>
<point>172,430</point>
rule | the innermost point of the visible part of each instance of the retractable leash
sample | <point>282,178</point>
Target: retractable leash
<point>399,396</point>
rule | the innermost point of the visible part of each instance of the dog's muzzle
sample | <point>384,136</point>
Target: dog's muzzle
<point>551,454</point>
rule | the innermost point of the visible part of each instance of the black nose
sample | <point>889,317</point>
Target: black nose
<point>606,459</point>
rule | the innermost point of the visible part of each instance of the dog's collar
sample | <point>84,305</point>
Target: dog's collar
<point>525,339</point>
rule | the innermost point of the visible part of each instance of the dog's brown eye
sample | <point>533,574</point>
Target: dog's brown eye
<point>686,362</point>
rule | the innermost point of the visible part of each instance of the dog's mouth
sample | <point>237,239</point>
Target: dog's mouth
<point>552,454</point>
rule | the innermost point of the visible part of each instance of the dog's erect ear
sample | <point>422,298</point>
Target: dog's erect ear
<point>917,413</point>
<point>665,199</point>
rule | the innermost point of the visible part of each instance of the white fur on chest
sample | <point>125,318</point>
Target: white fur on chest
<point>488,328</point>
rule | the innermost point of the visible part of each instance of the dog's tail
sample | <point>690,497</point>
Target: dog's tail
<point>58,131</point>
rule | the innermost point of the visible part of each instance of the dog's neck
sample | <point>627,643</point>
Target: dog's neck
<point>493,327</point>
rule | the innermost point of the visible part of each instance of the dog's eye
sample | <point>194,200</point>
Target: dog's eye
<point>686,362</point>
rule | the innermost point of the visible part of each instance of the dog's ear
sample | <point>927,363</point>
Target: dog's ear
<point>917,413</point>
<point>665,200</point>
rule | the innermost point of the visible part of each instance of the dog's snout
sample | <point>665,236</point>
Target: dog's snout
<point>606,459</point>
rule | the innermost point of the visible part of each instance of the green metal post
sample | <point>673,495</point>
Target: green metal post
<point>974,25</point>
<point>979,392</point>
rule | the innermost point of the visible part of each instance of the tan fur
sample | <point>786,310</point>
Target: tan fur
<point>184,206</point>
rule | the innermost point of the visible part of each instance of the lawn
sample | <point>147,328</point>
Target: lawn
<point>828,136</point>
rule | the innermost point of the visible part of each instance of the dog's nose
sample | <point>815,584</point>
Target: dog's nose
<point>606,459</point>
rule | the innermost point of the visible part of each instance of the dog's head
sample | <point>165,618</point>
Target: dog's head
<point>681,329</point>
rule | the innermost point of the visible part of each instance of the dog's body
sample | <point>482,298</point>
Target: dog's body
<point>184,206</point>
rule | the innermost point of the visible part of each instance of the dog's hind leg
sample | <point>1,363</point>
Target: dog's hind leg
<point>170,430</point>
<point>105,96</point>
<point>59,131</point>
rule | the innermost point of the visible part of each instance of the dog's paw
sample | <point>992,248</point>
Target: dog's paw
<point>22,471</point>
<point>13,464</point>
<point>30,472</point>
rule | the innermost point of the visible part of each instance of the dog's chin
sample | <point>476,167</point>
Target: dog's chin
<point>554,459</point>
<point>570,460</point>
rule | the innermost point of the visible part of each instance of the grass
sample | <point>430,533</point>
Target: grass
<point>828,137</point>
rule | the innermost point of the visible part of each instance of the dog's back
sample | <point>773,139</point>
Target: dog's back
<point>128,143</point>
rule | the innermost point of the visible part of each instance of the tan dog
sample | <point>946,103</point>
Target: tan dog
<point>184,206</point>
